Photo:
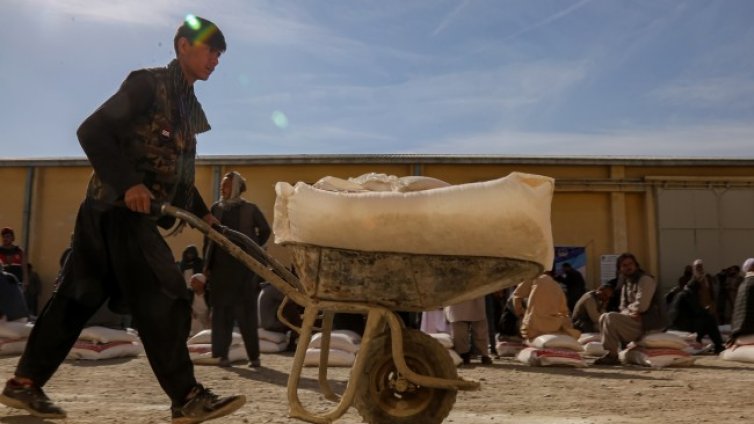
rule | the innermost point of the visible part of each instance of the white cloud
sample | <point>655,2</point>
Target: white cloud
<point>706,92</point>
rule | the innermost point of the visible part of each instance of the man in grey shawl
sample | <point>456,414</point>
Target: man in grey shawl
<point>234,287</point>
<point>742,322</point>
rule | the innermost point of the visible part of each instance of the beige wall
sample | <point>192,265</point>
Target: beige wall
<point>599,205</point>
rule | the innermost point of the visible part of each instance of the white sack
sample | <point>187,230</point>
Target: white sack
<point>738,353</point>
<point>556,341</point>
<point>455,357</point>
<point>106,335</point>
<point>12,346</point>
<point>88,350</point>
<point>509,348</point>
<point>444,338</point>
<point>205,337</point>
<point>15,329</point>
<point>550,357</point>
<point>336,358</point>
<point>272,336</point>
<point>510,218</point>
<point>266,346</point>
<point>662,340</point>
<point>338,341</point>
<point>656,358</point>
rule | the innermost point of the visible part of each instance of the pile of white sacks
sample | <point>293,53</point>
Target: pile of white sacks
<point>94,343</point>
<point>657,350</point>
<point>200,346</point>
<point>344,345</point>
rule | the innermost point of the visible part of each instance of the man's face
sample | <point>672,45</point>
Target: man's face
<point>699,268</point>
<point>627,267</point>
<point>8,239</point>
<point>198,60</point>
<point>225,186</point>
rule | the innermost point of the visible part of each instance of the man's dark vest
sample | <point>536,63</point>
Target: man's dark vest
<point>162,144</point>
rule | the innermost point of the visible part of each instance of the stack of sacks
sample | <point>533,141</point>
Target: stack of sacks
<point>200,349</point>
<point>95,343</point>
<point>343,347</point>
<point>13,335</point>
<point>741,351</point>
<point>552,349</point>
<point>692,346</point>
<point>509,346</point>
<point>271,341</point>
<point>592,344</point>
<point>447,342</point>
<point>658,350</point>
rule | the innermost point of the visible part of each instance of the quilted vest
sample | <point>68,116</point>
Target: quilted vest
<point>162,144</point>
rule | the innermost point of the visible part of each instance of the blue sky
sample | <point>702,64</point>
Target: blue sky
<point>505,77</point>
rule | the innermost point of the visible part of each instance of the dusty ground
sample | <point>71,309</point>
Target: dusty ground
<point>713,391</point>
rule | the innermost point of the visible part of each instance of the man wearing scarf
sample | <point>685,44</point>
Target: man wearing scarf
<point>742,322</point>
<point>142,144</point>
<point>706,287</point>
<point>234,287</point>
<point>641,310</point>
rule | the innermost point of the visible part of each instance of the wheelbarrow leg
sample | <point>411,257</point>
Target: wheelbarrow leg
<point>374,327</point>
<point>324,385</point>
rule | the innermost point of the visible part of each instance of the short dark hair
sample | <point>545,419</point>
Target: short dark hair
<point>7,230</point>
<point>198,29</point>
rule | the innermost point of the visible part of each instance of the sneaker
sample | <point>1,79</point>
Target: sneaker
<point>203,405</point>
<point>608,359</point>
<point>30,398</point>
<point>486,360</point>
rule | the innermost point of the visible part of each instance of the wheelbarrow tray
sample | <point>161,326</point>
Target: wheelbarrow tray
<point>403,281</point>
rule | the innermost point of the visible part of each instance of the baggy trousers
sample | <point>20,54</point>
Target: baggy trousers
<point>118,255</point>
<point>460,332</point>
<point>618,330</point>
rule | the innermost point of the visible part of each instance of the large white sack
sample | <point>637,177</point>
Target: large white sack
<point>594,349</point>
<point>743,353</point>
<point>509,348</point>
<point>205,337</point>
<point>15,329</point>
<point>89,350</point>
<point>556,341</point>
<point>335,358</point>
<point>106,335</point>
<point>510,218</point>
<point>272,336</point>
<point>550,357</point>
<point>445,339</point>
<point>744,340</point>
<point>657,357</point>
<point>12,346</point>
<point>662,341</point>
<point>338,341</point>
<point>266,346</point>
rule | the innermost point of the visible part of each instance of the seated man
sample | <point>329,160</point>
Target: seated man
<point>686,314</point>
<point>641,310</point>
<point>742,322</point>
<point>546,309</point>
<point>587,312</point>
<point>12,303</point>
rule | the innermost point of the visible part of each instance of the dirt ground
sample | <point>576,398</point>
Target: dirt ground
<point>713,391</point>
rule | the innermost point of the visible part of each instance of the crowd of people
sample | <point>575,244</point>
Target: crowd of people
<point>629,306</point>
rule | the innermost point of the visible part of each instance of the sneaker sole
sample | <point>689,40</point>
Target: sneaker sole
<point>227,409</point>
<point>17,404</point>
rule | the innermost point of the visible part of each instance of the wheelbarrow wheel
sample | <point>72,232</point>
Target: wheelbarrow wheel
<point>385,397</point>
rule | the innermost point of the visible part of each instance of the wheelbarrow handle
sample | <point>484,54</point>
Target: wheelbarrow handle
<point>234,242</point>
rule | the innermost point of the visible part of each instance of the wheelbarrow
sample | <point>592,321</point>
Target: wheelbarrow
<point>400,375</point>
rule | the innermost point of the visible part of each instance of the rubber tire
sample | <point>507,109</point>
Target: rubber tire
<point>377,403</point>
